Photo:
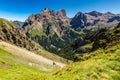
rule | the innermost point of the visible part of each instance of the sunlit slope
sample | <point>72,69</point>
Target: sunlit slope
<point>4,22</point>
<point>101,65</point>
<point>27,57</point>
<point>11,70</point>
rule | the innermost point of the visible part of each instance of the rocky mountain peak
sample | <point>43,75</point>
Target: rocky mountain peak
<point>95,13</point>
<point>78,14</point>
<point>46,10</point>
<point>47,16</point>
<point>79,20</point>
<point>62,13</point>
<point>31,17</point>
<point>109,13</point>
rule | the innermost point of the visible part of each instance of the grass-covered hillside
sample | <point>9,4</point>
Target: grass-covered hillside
<point>11,70</point>
<point>100,65</point>
<point>81,45</point>
<point>103,63</point>
<point>107,39</point>
<point>4,22</point>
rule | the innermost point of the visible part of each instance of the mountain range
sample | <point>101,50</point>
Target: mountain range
<point>53,30</point>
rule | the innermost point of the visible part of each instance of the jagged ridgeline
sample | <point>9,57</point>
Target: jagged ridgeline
<point>54,30</point>
<point>94,18</point>
<point>50,29</point>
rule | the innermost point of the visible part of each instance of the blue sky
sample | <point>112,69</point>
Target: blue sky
<point>21,9</point>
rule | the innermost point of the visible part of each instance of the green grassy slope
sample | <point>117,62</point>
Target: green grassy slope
<point>101,65</point>
<point>5,22</point>
<point>10,70</point>
<point>107,39</point>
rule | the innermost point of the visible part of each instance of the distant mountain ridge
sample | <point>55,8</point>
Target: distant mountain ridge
<point>94,18</point>
<point>80,20</point>
<point>18,24</point>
